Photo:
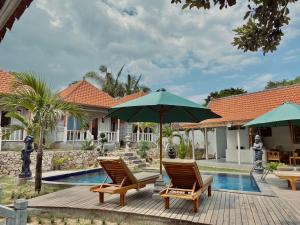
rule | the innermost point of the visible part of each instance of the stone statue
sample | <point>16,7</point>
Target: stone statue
<point>258,149</point>
<point>25,156</point>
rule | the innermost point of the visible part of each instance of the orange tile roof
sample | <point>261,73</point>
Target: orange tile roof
<point>240,109</point>
<point>6,81</point>
<point>129,97</point>
<point>84,93</point>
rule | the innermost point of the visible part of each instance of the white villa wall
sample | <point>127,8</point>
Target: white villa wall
<point>280,137</point>
<point>221,142</point>
<point>199,139</point>
<point>232,138</point>
<point>125,129</point>
<point>247,154</point>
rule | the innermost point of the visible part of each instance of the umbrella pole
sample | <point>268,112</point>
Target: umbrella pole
<point>160,141</point>
<point>292,142</point>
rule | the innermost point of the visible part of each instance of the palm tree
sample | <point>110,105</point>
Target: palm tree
<point>45,108</point>
<point>132,85</point>
<point>108,82</point>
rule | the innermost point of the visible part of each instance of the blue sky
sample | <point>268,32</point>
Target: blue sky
<point>186,52</point>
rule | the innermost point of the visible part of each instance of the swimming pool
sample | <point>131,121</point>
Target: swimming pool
<point>222,181</point>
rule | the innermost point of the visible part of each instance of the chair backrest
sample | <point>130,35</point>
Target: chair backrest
<point>117,170</point>
<point>184,173</point>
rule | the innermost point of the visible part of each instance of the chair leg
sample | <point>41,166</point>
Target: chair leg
<point>122,199</point>
<point>195,205</point>
<point>293,184</point>
<point>101,197</point>
<point>167,203</point>
<point>209,190</point>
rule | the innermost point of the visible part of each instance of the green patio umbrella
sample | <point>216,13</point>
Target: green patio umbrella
<point>287,114</point>
<point>161,107</point>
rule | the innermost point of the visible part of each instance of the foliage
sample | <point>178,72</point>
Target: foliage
<point>224,93</point>
<point>183,148</point>
<point>264,22</point>
<point>273,84</point>
<point>13,191</point>
<point>102,140</point>
<point>87,145</point>
<point>272,166</point>
<point>144,125</point>
<point>45,108</point>
<point>57,162</point>
<point>167,131</point>
<point>132,85</point>
<point>113,86</point>
<point>143,148</point>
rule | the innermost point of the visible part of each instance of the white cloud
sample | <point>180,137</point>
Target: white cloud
<point>154,38</point>
<point>257,82</point>
<point>198,98</point>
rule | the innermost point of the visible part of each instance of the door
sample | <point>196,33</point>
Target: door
<point>95,128</point>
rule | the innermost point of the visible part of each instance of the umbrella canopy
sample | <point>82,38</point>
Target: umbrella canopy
<point>280,116</point>
<point>287,114</point>
<point>173,107</point>
<point>161,107</point>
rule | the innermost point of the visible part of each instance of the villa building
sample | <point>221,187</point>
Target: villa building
<point>68,132</point>
<point>227,138</point>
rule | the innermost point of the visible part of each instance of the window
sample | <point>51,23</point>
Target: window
<point>266,131</point>
<point>263,131</point>
<point>73,124</point>
<point>296,131</point>
<point>5,121</point>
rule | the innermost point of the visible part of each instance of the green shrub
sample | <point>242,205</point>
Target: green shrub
<point>143,148</point>
<point>57,162</point>
<point>87,145</point>
<point>272,166</point>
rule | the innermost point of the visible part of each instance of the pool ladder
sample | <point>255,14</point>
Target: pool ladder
<point>265,171</point>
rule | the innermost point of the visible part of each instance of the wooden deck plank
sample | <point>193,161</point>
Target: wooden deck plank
<point>220,217</point>
<point>243,210</point>
<point>210,210</point>
<point>254,211</point>
<point>221,208</point>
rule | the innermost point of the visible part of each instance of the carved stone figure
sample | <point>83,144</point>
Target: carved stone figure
<point>258,148</point>
<point>172,152</point>
<point>25,156</point>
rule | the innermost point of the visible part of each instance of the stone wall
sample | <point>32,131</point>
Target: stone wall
<point>10,162</point>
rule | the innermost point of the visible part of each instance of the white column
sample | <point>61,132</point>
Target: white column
<point>193,143</point>
<point>239,145</point>
<point>138,133</point>
<point>118,131</point>
<point>65,128</point>
<point>206,143</point>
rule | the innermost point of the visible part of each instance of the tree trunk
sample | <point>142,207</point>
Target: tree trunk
<point>39,163</point>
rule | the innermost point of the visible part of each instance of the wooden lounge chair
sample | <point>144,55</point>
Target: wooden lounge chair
<point>186,182</point>
<point>122,179</point>
<point>291,176</point>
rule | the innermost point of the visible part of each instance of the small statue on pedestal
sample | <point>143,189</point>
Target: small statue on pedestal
<point>25,156</point>
<point>258,148</point>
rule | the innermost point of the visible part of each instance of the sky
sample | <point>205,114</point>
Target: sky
<point>187,52</point>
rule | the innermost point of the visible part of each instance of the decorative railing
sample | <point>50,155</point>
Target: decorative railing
<point>151,137</point>
<point>76,135</point>
<point>6,134</point>
<point>112,136</point>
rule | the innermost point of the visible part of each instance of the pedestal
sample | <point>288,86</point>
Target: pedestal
<point>158,187</point>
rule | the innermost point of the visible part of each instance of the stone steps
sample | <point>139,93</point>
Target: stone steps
<point>132,159</point>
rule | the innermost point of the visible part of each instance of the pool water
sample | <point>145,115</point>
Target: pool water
<point>224,181</point>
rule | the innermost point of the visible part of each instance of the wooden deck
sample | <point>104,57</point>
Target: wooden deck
<point>222,208</point>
